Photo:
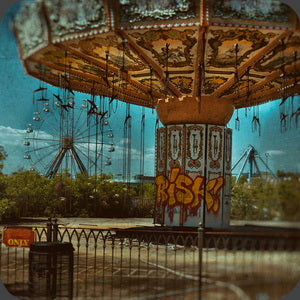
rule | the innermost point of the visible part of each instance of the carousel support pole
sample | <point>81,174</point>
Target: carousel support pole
<point>193,162</point>
<point>200,249</point>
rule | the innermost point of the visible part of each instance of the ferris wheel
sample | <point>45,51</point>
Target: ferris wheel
<point>68,135</point>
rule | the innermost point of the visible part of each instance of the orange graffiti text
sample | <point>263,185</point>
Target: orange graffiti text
<point>180,189</point>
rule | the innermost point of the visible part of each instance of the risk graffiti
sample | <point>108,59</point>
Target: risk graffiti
<point>181,190</point>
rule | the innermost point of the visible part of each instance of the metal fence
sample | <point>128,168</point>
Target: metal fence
<point>157,264</point>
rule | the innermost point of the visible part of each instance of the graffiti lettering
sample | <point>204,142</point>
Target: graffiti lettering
<point>180,189</point>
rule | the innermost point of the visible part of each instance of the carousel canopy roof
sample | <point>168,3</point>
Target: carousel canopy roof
<point>139,51</point>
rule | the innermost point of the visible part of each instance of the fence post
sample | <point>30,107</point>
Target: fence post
<point>200,248</point>
<point>55,230</point>
<point>54,259</point>
<point>49,231</point>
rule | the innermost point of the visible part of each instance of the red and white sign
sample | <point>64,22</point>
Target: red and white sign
<point>18,237</point>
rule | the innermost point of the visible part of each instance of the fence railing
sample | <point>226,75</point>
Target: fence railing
<point>156,264</point>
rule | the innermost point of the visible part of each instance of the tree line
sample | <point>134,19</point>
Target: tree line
<point>261,200</point>
<point>29,194</point>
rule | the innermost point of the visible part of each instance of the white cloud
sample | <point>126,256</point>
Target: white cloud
<point>15,137</point>
<point>12,139</point>
<point>275,152</point>
<point>150,154</point>
<point>135,153</point>
<point>11,136</point>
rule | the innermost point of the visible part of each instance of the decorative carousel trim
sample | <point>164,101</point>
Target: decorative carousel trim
<point>156,26</point>
<point>243,68</point>
<point>264,27</point>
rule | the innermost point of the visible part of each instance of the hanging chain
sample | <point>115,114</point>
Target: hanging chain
<point>127,147</point>
<point>255,120</point>
<point>295,114</point>
<point>201,70</point>
<point>248,84</point>
<point>283,75</point>
<point>151,88</point>
<point>282,106</point>
<point>167,68</point>
<point>237,121</point>
<point>142,154</point>
<point>236,74</point>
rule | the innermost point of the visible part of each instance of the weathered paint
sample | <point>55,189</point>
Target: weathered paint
<point>180,189</point>
<point>193,176</point>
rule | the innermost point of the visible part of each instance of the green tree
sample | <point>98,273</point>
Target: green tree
<point>289,199</point>
<point>8,209</point>
<point>60,195</point>
<point>28,189</point>
<point>114,199</point>
<point>143,205</point>
<point>3,156</point>
<point>261,200</point>
<point>243,207</point>
<point>3,185</point>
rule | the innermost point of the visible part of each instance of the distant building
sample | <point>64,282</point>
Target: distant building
<point>134,179</point>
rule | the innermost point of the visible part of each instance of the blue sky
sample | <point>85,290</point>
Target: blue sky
<point>283,147</point>
<point>16,111</point>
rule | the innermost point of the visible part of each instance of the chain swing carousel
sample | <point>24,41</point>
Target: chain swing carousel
<point>193,61</point>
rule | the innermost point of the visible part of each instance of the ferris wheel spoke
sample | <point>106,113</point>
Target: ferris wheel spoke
<point>41,139</point>
<point>44,156</point>
<point>86,156</point>
<point>56,163</point>
<point>47,154</point>
<point>95,152</point>
<point>77,120</point>
<point>88,136</point>
<point>73,167</point>
<point>55,118</point>
<point>93,162</point>
<point>87,121</point>
<point>96,124</point>
<point>101,154</point>
<point>94,143</point>
<point>74,164</point>
<point>85,137</point>
<point>42,148</point>
<point>85,148</point>
<point>53,114</point>
<point>66,163</point>
<point>86,130</point>
<point>79,127</point>
<point>78,161</point>
<point>89,148</point>
<point>79,116</point>
<point>50,125</point>
<point>47,166</point>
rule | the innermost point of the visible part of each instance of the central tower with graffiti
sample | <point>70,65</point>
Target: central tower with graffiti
<point>193,166</point>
